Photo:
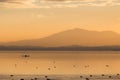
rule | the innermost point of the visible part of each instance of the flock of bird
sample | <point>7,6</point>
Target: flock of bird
<point>26,56</point>
<point>74,66</point>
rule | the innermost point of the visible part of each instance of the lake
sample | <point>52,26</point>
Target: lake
<point>59,63</point>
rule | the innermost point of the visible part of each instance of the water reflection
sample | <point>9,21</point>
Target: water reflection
<point>59,62</point>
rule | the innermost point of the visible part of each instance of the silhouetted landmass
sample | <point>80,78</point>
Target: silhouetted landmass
<point>72,37</point>
<point>67,48</point>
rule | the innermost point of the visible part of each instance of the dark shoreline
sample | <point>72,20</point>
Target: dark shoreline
<point>61,77</point>
<point>67,48</point>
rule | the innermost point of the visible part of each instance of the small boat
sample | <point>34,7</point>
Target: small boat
<point>25,55</point>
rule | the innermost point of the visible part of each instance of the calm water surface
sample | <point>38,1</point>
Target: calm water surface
<point>63,62</point>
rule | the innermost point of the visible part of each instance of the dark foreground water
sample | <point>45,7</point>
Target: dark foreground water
<point>60,77</point>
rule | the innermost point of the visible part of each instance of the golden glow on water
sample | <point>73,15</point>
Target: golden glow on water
<point>60,63</point>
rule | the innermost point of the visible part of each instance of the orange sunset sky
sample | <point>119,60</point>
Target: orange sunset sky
<point>32,19</point>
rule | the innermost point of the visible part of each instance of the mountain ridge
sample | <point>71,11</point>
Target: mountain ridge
<point>70,37</point>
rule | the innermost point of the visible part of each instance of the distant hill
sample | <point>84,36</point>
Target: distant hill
<point>73,37</point>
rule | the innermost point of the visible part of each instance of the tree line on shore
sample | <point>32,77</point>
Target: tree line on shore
<point>62,48</point>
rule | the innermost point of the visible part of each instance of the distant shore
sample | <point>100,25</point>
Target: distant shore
<point>66,48</point>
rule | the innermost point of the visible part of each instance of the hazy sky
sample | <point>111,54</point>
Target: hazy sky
<point>29,19</point>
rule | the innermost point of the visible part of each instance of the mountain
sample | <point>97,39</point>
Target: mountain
<point>73,37</point>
